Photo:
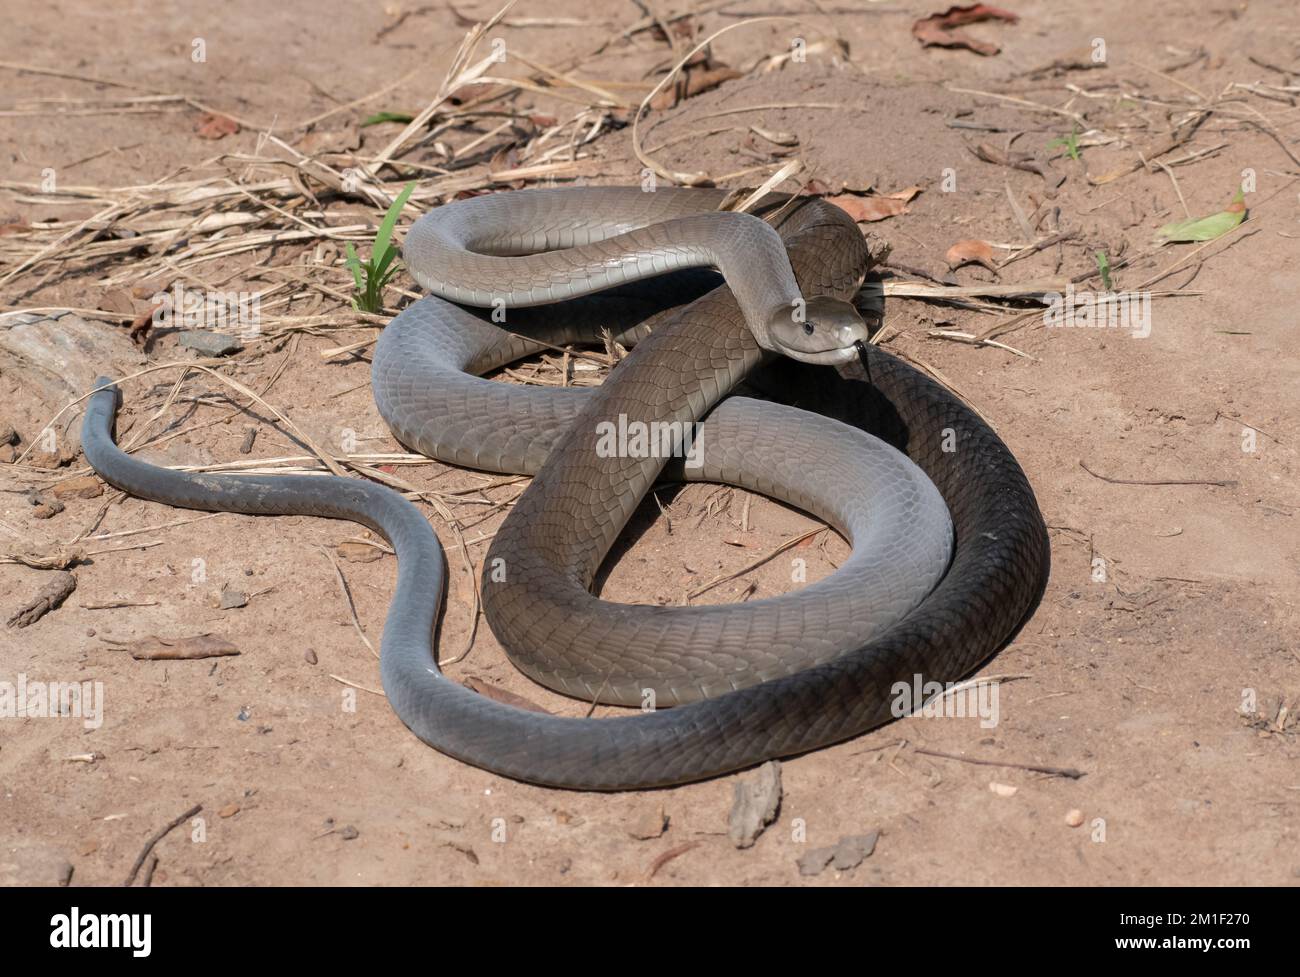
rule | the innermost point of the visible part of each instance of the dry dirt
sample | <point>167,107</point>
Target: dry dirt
<point>1136,674</point>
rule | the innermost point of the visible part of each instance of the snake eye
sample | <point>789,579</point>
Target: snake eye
<point>809,328</point>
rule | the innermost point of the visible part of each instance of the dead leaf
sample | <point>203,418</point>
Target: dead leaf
<point>939,30</point>
<point>144,322</point>
<point>468,93</point>
<point>118,300</point>
<point>505,158</point>
<point>695,78</point>
<point>683,27</point>
<point>869,208</point>
<point>777,136</point>
<point>968,251</point>
<point>214,126</point>
<point>1019,161</point>
<point>905,194</point>
<point>325,141</point>
<point>15,226</point>
<point>501,695</point>
<point>178,649</point>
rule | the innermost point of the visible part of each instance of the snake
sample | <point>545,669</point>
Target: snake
<point>949,550</point>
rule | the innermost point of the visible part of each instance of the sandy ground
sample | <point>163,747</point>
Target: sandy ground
<point>1162,661</point>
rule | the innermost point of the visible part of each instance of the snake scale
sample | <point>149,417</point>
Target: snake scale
<point>949,549</point>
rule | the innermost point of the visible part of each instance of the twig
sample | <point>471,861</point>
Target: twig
<point>347,596</point>
<point>354,685</point>
<point>683,178</point>
<point>1156,481</point>
<point>1070,772</point>
<point>157,837</point>
<point>757,563</point>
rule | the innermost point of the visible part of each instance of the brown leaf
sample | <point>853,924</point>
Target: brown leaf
<point>505,158</point>
<point>1020,161</point>
<point>695,79</point>
<point>179,649</point>
<point>214,126</point>
<point>906,194</point>
<point>144,322</point>
<point>320,142</point>
<point>683,27</point>
<point>118,300</point>
<point>971,250</point>
<point>869,208</point>
<point>502,695</point>
<point>939,30</point>
<point>15,226</point>
<point>467,93</point>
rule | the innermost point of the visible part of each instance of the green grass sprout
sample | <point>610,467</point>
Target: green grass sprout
<point>371,277</point>
<point>381,117</point>
<point>1103,268</point>
<point>1070,142</point>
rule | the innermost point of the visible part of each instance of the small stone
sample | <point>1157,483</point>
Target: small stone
<point>83,487</point>
<point>57,458</point>
<point>852,849</point>
<point>651,823</point>
<point>355,552</point>
<point>1074,817</point>
<point>1002,790</point>
<point>815,861</point>
<point>229,811</point>
<point>349,833</point>
<point>309,656</point>
<point>755,804</point>
<point>47,510</point>
<point>229,598</point>
<point>33,865</point>
<point>848,853</point>
<point>209,343</point>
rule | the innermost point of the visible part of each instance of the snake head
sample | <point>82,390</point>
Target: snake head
<point>821,330</point>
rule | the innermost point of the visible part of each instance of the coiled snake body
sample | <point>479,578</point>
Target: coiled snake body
<point>921,598</point>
